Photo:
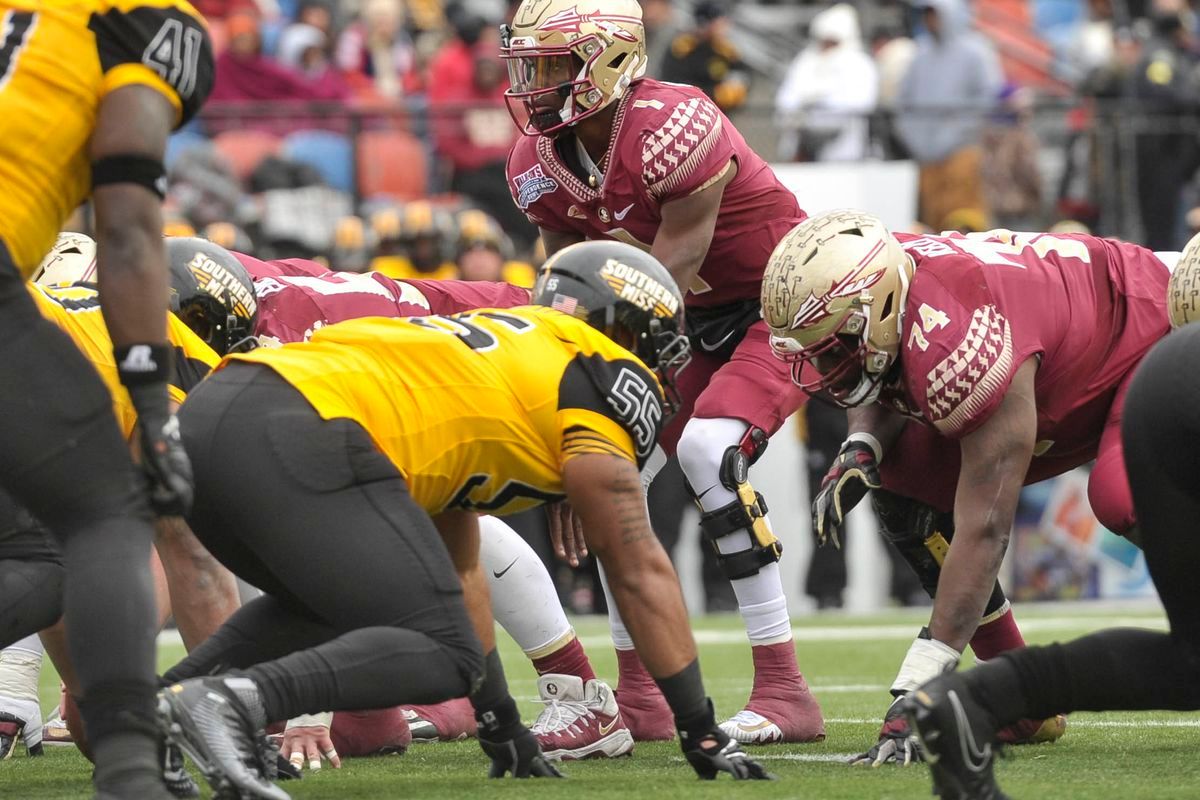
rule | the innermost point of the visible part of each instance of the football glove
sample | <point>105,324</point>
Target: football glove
<point>854,471</point>
<point>519,755</point>
<point>897,743</point>
<point>144,370</point>
<point>713,751</point>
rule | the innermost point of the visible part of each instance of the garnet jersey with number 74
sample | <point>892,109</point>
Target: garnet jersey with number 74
<point>668,141</point>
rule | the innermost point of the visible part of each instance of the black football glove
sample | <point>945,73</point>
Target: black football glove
<point>519,755</point>
<point>897,743</point>
<point>713,751</point>
<point>853,472</point>
<point>166,466</point>
<point>144,370</point>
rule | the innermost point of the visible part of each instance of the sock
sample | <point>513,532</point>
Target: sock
<point>631,669</point>
<point>569,659</point>
<point>620,634</point>
<point>997,636</point>
<point>1120,669</point>
<point>128,764</point>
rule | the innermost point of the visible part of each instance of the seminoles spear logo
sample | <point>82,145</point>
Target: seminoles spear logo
<point>816,308</point>
<point>569,21</point>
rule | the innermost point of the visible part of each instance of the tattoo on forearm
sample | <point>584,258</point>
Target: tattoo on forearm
<point>629,509</point>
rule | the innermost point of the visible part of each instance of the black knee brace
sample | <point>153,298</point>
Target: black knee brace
<point>748,512</point>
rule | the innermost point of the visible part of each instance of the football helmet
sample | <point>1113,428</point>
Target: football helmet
<point>1183,288</point>
<point>833,296</point>
<point>212,293</point>
<point>72,259</point>
<point>568,59</point>
<point>627,295</point>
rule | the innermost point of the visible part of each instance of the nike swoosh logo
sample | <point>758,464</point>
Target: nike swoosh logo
<point>711,347</point>
<point>605,731</point>
<point>758,726</point>
<point>620,215</point>
<point>500,574</point>
<point>975,759</point>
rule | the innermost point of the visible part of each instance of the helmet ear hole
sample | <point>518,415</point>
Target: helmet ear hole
<point>886,310</point>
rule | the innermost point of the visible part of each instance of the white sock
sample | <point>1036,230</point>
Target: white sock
<point>524,600</point>
<point>620,634</point>
<point>760,597</point>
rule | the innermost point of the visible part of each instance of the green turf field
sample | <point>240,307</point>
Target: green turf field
<point>848,660</point>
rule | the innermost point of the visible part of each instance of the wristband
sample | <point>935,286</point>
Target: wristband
<point>867,439</point>
<point>926,659</point>
<point>143,364</point>
<point>322,720</point>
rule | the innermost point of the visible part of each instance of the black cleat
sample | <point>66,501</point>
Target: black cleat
<point>211,720</point>
<point>958,737</point>
<point>179,782</point>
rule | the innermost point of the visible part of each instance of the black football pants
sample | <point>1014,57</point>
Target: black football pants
<point>62,457</point>
<point>32,576</point>
<point>1125,668</point>
<point>363,608</point>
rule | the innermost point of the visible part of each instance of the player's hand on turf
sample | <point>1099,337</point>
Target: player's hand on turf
<point>306,741</point>
<point>897,743</point>
<point>566,533</point>
<point>519,755</point>
<point>166,466</point>
<point>715,752</point>
<point>854,471</point>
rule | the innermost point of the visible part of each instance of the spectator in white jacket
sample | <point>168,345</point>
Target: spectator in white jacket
<point>831,88</point>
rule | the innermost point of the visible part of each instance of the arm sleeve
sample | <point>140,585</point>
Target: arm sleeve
<point>163,44</point>
<point>454,297</point>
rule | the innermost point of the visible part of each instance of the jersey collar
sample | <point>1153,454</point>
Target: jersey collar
<point>563,174</point>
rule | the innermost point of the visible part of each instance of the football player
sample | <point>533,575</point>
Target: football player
<point>1120,669</point>
<point>202,594</point>
<point>280,302</point>
<point>431,420</point>
<point>973,365</point>
<point>89,91</point>
<point>609,154</point>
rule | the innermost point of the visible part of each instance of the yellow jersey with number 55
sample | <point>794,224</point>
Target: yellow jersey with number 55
<point>58,60</point>
<point>76,309</point>
<point>479,411</point>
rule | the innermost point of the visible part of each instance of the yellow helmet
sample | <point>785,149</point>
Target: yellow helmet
<point>568,59</point>
<point>1183,289</point>
<point>73,258</point>
<point>833,296</point>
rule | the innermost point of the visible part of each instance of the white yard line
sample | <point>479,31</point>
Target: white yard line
<point>1072,722</point>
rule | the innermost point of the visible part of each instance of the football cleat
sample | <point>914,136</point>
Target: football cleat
<point>179,782</point>
<point>20,720</point>
<point>959,739</point>
<point>1032,731</point>
<point>451,721</point>
<point>580,720</point>
<point>55,732</point>
<point>781,708</point>
<point>217,722</point>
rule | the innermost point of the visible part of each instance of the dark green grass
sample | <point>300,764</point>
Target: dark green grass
<point>1103,755</point>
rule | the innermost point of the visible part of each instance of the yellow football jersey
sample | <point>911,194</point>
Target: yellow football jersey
<point>479,411</point>
<point>58,59</point>
<point>76,309</point>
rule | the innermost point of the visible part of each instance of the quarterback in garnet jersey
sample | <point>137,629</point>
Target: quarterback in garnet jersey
<point>609,154</point>
<point>973,365</point>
